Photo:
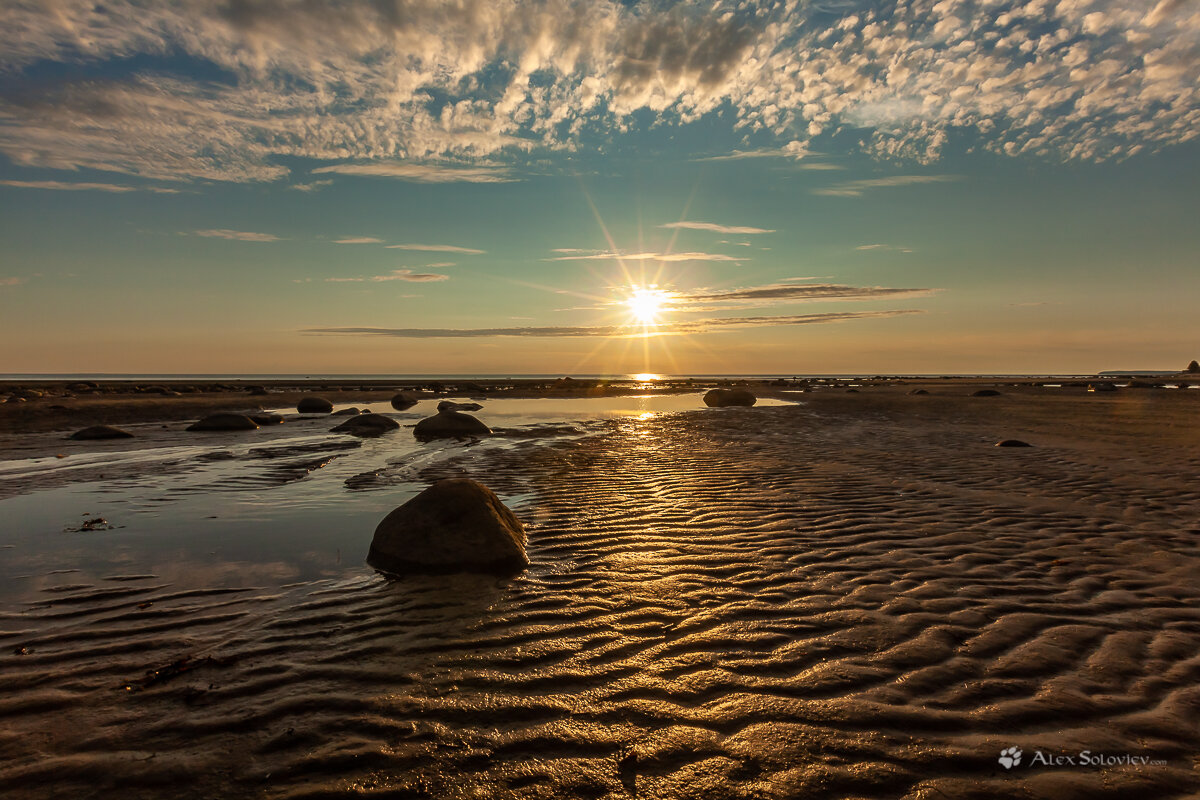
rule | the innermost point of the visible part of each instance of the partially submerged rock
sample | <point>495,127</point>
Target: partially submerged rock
<point>312,404</point>
<point>1013,443</point>
<point>224,422</point>
<point>919,391</point>
<point>985,393</point>
<point>719,398</point>
<point>346,412</point>
<point>450,405</point>
<point>266,418</point>
<point>101,432</point>
<point>403,400</point>
<point>456,525</point>
<point>449,424</point>
<point>367,425</point>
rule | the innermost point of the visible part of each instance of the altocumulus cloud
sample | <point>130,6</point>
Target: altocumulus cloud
<point>415,92</point>
<point>577,331</point>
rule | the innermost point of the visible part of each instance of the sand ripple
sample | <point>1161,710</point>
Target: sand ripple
<point>750,603</point>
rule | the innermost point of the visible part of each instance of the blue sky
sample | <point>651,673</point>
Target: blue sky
<point>453,187</point>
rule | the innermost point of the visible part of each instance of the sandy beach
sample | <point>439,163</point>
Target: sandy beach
<point>850,595</point>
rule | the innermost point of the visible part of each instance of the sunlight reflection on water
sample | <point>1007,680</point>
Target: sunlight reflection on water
<point>291,502</point>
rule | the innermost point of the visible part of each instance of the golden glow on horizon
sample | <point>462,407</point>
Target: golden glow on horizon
<point>646,376</point>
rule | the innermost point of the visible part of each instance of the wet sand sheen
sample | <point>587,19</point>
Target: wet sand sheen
<point>860,597</point>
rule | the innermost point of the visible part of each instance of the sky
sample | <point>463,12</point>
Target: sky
<point>594,187</point>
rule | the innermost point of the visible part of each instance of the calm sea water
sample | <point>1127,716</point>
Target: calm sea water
<point>282,504</point>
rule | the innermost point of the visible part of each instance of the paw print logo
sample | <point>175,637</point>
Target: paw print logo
<point>1010,757</point>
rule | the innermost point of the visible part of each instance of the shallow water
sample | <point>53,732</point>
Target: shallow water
<point>286,503</point>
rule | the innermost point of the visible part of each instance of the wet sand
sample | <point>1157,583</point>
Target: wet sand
<point>857,596</point>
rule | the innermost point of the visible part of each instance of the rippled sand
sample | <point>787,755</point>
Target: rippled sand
<point>857,597</point>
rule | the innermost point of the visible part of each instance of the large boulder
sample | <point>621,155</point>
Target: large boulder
<point>312,404</point>
<point>403,400</point>
<point>456,525</point>
<point>449,424</point>
<point>224,422</point>
<point>1193,367</point>
<point>367,425</point>
<point>719,398</point>
<point>101,432</point>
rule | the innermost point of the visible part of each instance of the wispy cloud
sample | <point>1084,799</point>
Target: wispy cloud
<point>796,150</point>
<point>11,281</point>
<point>422,173</point>
<point>87,187</point>
<point>578,331</point>
<point>240,236</point>
<point>712,226</point>
<point>311,186</point>
<point>395,275</point>
<point>437,248</point>
<point>883,247</point>
<point>799,292</point>
<point>856,188</point>
<point>359,240</point>
<point>611,256</point>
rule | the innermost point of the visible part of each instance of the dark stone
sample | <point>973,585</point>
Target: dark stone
<point>720,398</point>
<point>448,424</point>
<point>312,404</point>
<point>1193,367</point>
<point>1101,387</point>
<point>258,391</point>
<point>224,422</point>
<point>985,393</point>
<point>266,418</point>
<point>101,432</point>
<point>456,525</point>
<point>919,391</point>
<point>367,425</point>
<point>346,412</point>
<point>1013,443</point>
<point>450,405</point>
<point>403,400</point>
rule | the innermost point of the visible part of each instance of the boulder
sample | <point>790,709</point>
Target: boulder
<point>403,400</point>
<point>919,391</point>
<point>312,404</point>
<point>1102,387</point>
<point>719,398</point>
<point>346,412</point>
<point>985,393</point>
<point>224,422</point>
<point>258,391</point>
<point>101,432</point>
<point>367,425</point>
<point>1193,367</point>
<point>448,424</point>
<point>265,417</point>
<point>450,405</point>
<point>456,525</point>
<point>1013,443</point>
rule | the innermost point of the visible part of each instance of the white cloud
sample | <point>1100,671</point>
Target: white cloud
<point>612,256</point>
<point>711,226</point>
<point>311,186</point>
<point>883,247</point>
<point>409,89</point>
<point>422,173</point>
<point>240,236</point>
<point>359,240</point>
<point>856,188</point>
<point>437,248</point>
<point>395,275</point>
<point>85,187</point>
<point>13,281</point>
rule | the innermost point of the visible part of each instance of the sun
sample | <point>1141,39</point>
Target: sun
<point>647,303</point>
